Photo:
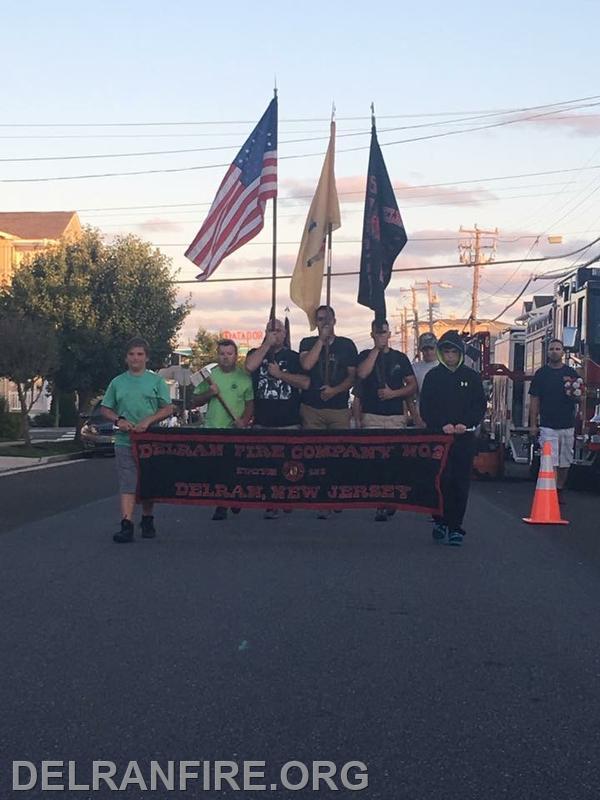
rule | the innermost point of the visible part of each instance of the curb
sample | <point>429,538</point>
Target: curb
<point>39,462</point>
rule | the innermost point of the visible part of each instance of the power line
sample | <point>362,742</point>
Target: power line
<point>553,224</point>
<point>295,119</point>
<point>269,243</point>
<point>195,208</point>
<point>517,298</point>
<point>365,132</point>
<point>292,156</point>
<point>350,211</point>
<point>399,269</point>
<point>396,188</point>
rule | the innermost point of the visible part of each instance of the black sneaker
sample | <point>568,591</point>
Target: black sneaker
<point>126,532</point>
<point>148,529</point>
<point>381,515</point>
<point>220,513</point>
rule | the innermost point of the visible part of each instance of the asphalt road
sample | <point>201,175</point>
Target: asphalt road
<point>469,674</point>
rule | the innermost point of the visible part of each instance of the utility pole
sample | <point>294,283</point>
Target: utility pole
<point>401,327</point>
<point>418,287</point>
<point>471,254</point>
<point>431,297</point>
<point>415,310</point>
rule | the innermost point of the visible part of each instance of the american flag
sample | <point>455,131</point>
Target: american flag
<point>238,211</point>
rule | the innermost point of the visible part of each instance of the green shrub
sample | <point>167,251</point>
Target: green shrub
<point>10,425</point>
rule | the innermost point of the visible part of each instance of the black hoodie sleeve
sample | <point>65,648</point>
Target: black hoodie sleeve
<point>428,406</point>
<point>477,402</point>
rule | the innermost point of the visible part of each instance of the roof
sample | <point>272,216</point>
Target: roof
<point>37,224</point>
<point>541,300</point>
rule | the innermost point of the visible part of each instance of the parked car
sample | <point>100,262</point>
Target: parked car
<point>97,433</point>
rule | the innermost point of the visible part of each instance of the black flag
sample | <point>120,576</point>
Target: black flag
<point>383,234</point>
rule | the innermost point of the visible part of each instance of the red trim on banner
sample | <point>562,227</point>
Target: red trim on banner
<point>283,505</point>
<point>346,438</point>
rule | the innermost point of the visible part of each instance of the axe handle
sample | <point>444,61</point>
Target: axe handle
<point>220,399</point>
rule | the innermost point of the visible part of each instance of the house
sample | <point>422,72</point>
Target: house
<point>25,232</point>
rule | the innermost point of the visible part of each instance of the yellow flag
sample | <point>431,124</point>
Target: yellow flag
<point>307,280</point>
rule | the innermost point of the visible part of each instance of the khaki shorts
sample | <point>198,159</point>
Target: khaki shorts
<point>562,441</point>
<point>383,421</point>
<point>324,418</point>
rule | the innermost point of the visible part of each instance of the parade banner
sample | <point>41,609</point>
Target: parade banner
<point>292,469</point>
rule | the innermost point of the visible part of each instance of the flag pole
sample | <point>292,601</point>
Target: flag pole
<point>372,132</point>
<point>274,255</point>
<point>378,364</point>
<point>328,281</point>
<point>329,237</point>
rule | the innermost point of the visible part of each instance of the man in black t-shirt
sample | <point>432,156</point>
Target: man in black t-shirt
<point>277,379</point>
<point>387,380</point>
<point>330,361</point>
<point>554,405</point>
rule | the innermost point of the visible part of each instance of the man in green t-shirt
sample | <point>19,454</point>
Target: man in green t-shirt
<point>230,398</point>
<point>134,400</point>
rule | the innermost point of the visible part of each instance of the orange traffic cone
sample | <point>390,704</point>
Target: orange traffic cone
<point>545,509</point>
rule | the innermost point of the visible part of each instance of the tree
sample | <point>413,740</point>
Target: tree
<point>204,348</point>
<point>28,355</point>
<point>97,296</point>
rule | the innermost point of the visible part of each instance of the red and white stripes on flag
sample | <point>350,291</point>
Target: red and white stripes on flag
<point>238,210</point>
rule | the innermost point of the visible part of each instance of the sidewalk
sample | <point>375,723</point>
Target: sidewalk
<point>11,463</point>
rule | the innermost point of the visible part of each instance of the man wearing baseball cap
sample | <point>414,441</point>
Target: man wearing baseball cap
<point>428,360</point>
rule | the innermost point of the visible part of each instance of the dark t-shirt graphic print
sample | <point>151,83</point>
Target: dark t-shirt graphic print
<point>276,403</point>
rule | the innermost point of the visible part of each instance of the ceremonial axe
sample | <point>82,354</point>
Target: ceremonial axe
<point>205,373</point>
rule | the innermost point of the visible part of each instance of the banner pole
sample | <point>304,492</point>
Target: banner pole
<point>328,283</point>
<point>329,259</point>
<point>274,263</point>
<point>274,255</point>
<point>328,298</point>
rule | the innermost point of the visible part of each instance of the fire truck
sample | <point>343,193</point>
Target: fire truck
<point>571,314</point>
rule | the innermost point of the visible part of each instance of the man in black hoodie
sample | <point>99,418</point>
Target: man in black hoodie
<point>453,401</point>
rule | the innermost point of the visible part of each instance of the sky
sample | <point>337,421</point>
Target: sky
<point>116,78</point>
